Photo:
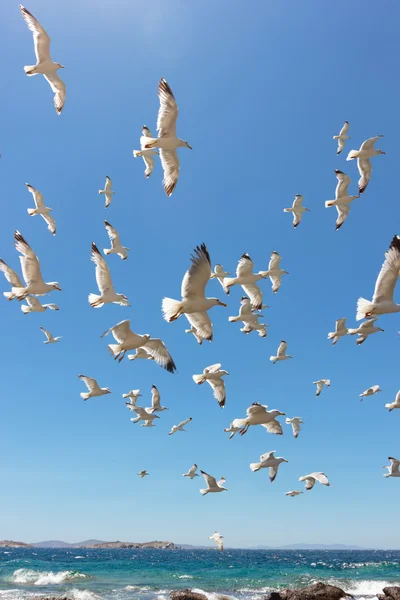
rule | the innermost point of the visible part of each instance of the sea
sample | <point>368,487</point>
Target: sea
<point>147,574</point>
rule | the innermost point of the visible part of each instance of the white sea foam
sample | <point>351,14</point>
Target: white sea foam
<point>366,588</point>
<point>30,576</point>
<point>84,595</point>
<point>185,576</point>
<point>214,595</point>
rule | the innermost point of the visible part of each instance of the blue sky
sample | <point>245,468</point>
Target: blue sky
<point>261,91</point>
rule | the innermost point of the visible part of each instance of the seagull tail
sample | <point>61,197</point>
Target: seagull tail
<point>364,308</point>
<point>329,203</point>
<point>94,301</point>
<point>336,137</point>
<point>273,359</point>
<point>31,211</point>
<point>255,466</point>
<point>30,70</point>
<point>9,295</point>
<point>85,395</point>
<point>352,154</point>
<point>171,309</point>
<point>25,308</point>
<point>107,251</point>
<point>287,210</point>
<point>228,282</point>
<point>389,406</point>
<point>233,319</point>
<point>137,153</point>
<point>352,331</point>
<point>203,492</point>
<point>199,379</point>
<point>115,349</point>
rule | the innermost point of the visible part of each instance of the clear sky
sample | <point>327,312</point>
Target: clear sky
<point>262,87</point>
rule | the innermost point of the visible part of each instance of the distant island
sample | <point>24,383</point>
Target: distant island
<point>10,544</point>
<point>90,544</point>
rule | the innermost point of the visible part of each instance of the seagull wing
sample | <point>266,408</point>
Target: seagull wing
<point>210,480</point>
<point>185,422</point>
<point>274,261</point>
<point>103,275</point>
<point>344,129</point>
<point>282,349</point>
<point>170,164</point>
<point>295,427</point>
<point>108,185</point>
<point>113,235</point>
<point>267,456</point>
<point>245,266</point>
<point>58,87</point>
<point>33,302</point>
<point>343,211</point>
<point>273,472</point>
<point>29,261</point>
<point>256,409</point>
<point>51,224</point>
<point>212,368</point>
<point>90,383</point>
<point>364,168</point>
<point>389,274</point>
<point>141,412</point>
<point>342,185</point>
<point>368,324</point>
<point>395,463</point>
<point>298,202</point>
<point>192,470</point>
<point>146,133</point>
<point>157,349</point>
<point>255,295</point>
<point>37,196</point>
<point>276,282</point>
<point>218,387</point>
<point>46,333</point>
<point>202,323</point>
<point>120,331</point>
<point>11,276</point>
<point>340,325</point>
<point>168,111</point>
<point>155,397</point>
<point>197,276</point>
<point>310,481</point>
<point>41,39</point>
<point>321,477</point>
<point>273,427</point>
<point>369,144</point>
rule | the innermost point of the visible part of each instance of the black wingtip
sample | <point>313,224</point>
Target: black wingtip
<point>245,256</point>
<point>95,248</point>
<point>107,224</point>
<point>395,243</point>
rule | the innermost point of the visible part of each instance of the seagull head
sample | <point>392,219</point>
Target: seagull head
<point>381,152</point>
<point>55,285</point>
<point>107,390</point>
<point>218,302</point>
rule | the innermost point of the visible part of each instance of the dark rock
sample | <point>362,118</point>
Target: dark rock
<point>390,593</point>
<point>187,595</point>
<point>317,591</point>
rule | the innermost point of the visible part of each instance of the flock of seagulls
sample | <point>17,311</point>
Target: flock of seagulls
<point>193,302</point>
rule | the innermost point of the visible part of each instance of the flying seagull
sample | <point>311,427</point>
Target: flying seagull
<point>167,142</point>
<point>249,318</point>
<point>147,155</point>
<point>370,392</point>
<point>33,305</point>
<point>269,461</point>
<point>192,472</point>
<point>128,340</point>
<point>233,430</point>
<point>196,335</point>
<point>144,414</point>
<point>395,404</point>
<point>342,199</point>
<point>49,338</point>
<point>247,280</point>
<point>93,387</point>
<point>41,209</point>
<point>104,283</point>
<point>213,375</point>
<point>274,271</point>
<point>281,354</point>
<point>116,246</point>
<point>393,468</point>
<point>320,385</point>
<point>340,331</point>
<point>312,478</point>
<point>382,302</point>
<point>257,414</point>
<point>12,278</point>
<point>155,401</point>
<point>180,426</point>
<point>342,137</point>
<point>367,328</point>
<point>219,274</point>
<point>108,193</point>
<point>217,537</point>
<point>297,210</point>
<point>140,353</point>
<point>212,484</point>
<point>143,473</point>
<point>44,64</point>
<point>133,395</point>
<point>194,305</point>
<point>363,156</point>
<point>295,423</point>
<point>294,493</point>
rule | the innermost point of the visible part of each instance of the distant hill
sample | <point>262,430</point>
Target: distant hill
<point>99,544</point>
<point>10,544</point>
<point>60,544</point>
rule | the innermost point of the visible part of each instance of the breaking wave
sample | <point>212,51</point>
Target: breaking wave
<point>32,577</point>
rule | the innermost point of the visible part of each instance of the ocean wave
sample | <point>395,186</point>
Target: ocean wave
<point>25,595</point>
<point>215,595</point>
<point>30,576</point>
<point>366,588</point>
<point>185,576</point>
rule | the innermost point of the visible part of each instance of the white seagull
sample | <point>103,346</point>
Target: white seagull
<point>281,354</point>
<point>116,246</point>
<point>194,305</point>
<point>274,271</point>
<point>382,302</point>
<point>196,335</point>
<point>144,414</point>
<point>367,328</point>
<point>393,468</point>
<point>340,331</point>
<point>35,306</point>
<point>128,340</point>
<point>12,278</point>
<point>295,423</point>
<point>108,193</point>
<point>140,353</point>
<point>297,209</point>
<point>41,209</point>
<point>320,385</point>
<point>269,461</point>
<point>294,493</point>
<point>257,414</point>
<point>342,199</point>
<point>167,142</point>
<point>233,430</point>
<point>312,478</point>
<point>133,395</point>
<point>192,472</point>
<point>342,137</point>
<point>180,427</point>
<point>212,484</point>
<point>247,280</point>
<point>44,64</point>
<point>143,473</point>
<point>31,272</point>
<point>104,283</point>
<point>249,318</point>
<point>217,537</point>
<point>395,404</point>
<point>370,391</point>
<point>363,156</point>
<point>93,387</point>
<point>49,338</point>
<point>213,375</point>
<point>147,155</point>
<point>155,401</point>
<point>219,274</point>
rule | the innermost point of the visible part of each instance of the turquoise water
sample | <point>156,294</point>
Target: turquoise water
<point>152,574</point>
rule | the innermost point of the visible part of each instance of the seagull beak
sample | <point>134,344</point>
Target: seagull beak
<point>190,147</point>
<point>223,304</point>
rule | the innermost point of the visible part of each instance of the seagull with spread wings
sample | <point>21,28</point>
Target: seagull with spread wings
<point>269,461</point>
<point>233,430</point>
<point>342,199</point>
<point>107,192</point>
<point>371,391</point>
<point>213,486</point>
<point>104,283</point>
<point>180,426</point>
<point>366,328</point>
<point>342,137</point>
<point>143,473</point>
<point>257,414</point>
<point>247,280</point>
<point>213,375</point>
<point>217,537</point>
<point>144,414</point>
<point>167,142</point>
<point>320,385</point>
<point>155,401</point>
<point>249,318</point>
<point>297,210</point>
<point>274,271</point>
<point>194,305</point>
<point>191,474</point>
<point>295,422</point>
<point>116,246</point>
<point>133,395</point>
<point>93,387</point>
<point>363,155</point>
<point>44,64</point>
<point>140,353</point>
<point>281,354</point>
<point>393,468</point>
<point>147,155</point>
<point>41,209</point>
<point>220,274</point>
<point>312,478</point>
<point>293,493</point>
<point>340,331</point>
<point>12,277</point>
<point>33,305</point>
<point>382,302</point>
<point>194,331</point>
<point>49,338</point>
<point>128,340</point>
<point>396,404</point>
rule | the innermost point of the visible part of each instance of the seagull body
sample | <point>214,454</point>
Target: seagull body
<point>281,354</point>
<point>219,274</point>
<point>249,318</point>
<point>370,392</point>
<point>342,137</point>
<point>274,271</point>
<point>312,478</point>
<point>140,353</point>
<point>213,375</point>
<point>294,493</point>
<point>269,461</point>
<point>143,473</point>
<point>194,331</point>
<point>108,193</point>
<point>233,430</point>
<point>116,246</point>
<point>50,339</point>
<point>128,340</point>
<point>180,427</point>
<point>382,302</point>
<point>257,414</point>
<point>133,395</point>
<point>340,331</point>
<point>35,306</point>
<point>217,537</point>
<point>155,401</point>
<point>297,209</point>
<point>104,282</point>
<point>212,484</point>
<point>44,64</point>
<point>41,209</point>
<point>147,155</point>
<point>144,414</point>
<point>12,278</point>
<point>247,280</point>
<point>192,472</point>
<point>31,272</point>
<point>194,304</point>
<point>260,327</point>
<point>367,328</point>
<point>93,387</point>
<point>320,385</point>
<point>167,141</point>
<point>395,404</point>
<point>342,199</point>
<point>295,423</point>
<point>393,468</point>
<point>363,156</point>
